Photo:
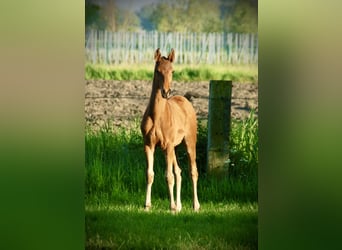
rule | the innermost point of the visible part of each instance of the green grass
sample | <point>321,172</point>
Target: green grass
<point>217,226</point>
<point>115,194</point>
<point>240,73</point>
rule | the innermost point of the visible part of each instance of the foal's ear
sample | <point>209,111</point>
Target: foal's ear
<point>157,55</point>
<point>171,56</point>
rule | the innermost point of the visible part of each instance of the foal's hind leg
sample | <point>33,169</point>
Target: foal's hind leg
<point>190,143</point>
<point>177,172</point>
<point>170,178</point>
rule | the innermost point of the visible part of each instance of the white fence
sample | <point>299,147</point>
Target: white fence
<point>191,48</point>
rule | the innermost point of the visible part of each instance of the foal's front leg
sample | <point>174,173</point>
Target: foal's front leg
<point>149,151</point>
<point>169,156</point>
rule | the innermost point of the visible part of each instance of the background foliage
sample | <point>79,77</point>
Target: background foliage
<point>176,16</point>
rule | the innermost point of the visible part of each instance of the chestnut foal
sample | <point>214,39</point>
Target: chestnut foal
<point>167,122</point>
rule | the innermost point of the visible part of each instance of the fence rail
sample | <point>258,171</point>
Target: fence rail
<point>192,48</point>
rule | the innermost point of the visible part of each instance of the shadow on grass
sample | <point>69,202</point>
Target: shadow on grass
<point>216,226</point>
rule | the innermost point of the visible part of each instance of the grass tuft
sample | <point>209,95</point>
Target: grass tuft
<point>115,164</point>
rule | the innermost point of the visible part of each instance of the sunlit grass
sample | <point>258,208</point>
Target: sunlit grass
<point>216,226</point>
<point>238,73</point>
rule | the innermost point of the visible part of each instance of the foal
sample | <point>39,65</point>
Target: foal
<point>167,122</point>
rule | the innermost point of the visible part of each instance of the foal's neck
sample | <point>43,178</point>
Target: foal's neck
<point>157,102</point>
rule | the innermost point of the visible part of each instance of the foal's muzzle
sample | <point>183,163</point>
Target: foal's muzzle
<point>165,94</point>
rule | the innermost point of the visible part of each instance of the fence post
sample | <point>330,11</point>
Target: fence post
<point>219,127</point>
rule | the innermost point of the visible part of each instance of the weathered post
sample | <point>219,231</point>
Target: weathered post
<point>219,126</point>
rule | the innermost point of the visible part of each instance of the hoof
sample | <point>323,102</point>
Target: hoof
<point>176,209</point>
<point>196,207</point>
<point>147,208</point>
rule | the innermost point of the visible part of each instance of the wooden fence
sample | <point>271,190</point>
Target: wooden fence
<point>191,48</point>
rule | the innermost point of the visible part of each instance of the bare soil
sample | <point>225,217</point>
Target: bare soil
<point>121,102</point>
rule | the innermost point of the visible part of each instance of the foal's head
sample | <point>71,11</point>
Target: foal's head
<point>163,72</point>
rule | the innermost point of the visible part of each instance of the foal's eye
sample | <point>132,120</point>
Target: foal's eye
<point>173,71</point>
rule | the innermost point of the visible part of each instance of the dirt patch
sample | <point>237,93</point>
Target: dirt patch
<point>121,102</point>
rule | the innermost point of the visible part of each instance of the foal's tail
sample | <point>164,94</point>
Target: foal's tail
<point>188,95</point>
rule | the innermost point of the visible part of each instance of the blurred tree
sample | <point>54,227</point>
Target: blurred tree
<point>227,7</point>
<point>93,17</point>
<point>106,14</point>
<point>168,16</point>
<point>127,21</point>
<point>145,15</point>
<point>182,15</point>
<point>241,16</point>
<point>110,13</point>
<point>204,16</point>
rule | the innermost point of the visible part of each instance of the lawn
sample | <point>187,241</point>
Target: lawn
<point>216,226</point>
<point>115,194</point>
